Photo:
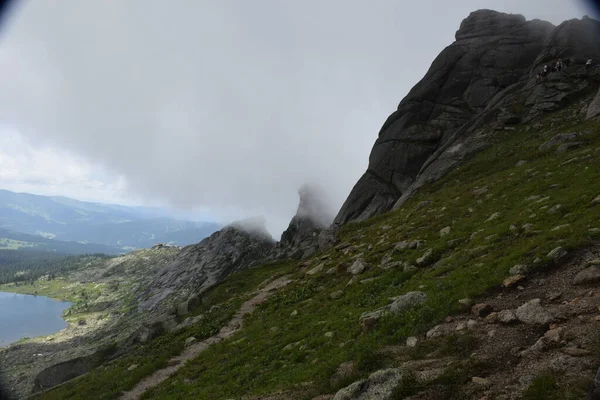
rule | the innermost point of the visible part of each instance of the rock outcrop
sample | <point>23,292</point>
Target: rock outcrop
<point>303,236</point>
<point>199,267</point>
<point>59,373</point>
<point>486,75</point>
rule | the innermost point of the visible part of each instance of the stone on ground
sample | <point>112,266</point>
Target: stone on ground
<point>533,313</point>
<point>588,275</point>
<point>379,385</point>
<point>358,267</point>
<point>407,301</point>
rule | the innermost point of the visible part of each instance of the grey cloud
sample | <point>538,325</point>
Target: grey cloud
<point>225,104</point>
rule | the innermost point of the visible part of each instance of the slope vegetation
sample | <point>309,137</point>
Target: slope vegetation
<point>529,200</point>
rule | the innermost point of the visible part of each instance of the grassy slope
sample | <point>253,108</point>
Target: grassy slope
<point>109,380</point>
<point>254,360</point>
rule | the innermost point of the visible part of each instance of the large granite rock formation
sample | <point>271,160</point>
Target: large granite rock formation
<point>200,266</point>
<point>314,214</point>
<point>489,67</point>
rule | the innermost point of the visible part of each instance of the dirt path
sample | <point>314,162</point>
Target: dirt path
<point>194,350</point>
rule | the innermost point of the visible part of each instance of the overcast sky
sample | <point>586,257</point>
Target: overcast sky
<point>225,107</point>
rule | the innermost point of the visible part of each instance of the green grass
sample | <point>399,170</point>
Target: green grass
<point>58,289</point>
<point>278,351</point>
<point>552,386</point>
<point>108,381</point>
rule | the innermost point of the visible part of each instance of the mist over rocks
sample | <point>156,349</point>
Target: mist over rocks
<point>314,214</point>
<point>253,226</point>
<point>491,66</point>
<point>315,205</point>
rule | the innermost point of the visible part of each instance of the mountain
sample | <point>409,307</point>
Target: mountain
<point>464,265</point>
<point>66,219</point>
<point>485,76</point>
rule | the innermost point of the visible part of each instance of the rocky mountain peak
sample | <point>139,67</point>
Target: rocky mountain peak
<point>488,23</point>
<point>253,226</point>
<point>490,68</point>
<point>313,215</point>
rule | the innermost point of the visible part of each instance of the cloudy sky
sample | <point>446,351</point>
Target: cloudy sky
<point>221,107</point>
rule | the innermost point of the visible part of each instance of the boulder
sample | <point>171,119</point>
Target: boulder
<point>379,385</point>
<point>559,139</point>
<point>557,254</point>
<point>588,275</point>
<point>407,301</point>
<point>401,246</point>
<point>519,269</point>
<point>316,269</point>
<point>358,267</point>
<point>426,258</point>
<point>533,313</point>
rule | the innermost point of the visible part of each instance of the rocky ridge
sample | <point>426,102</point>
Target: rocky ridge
<point>486,75</point>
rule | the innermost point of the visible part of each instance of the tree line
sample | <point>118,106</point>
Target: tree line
<point>26,266</point>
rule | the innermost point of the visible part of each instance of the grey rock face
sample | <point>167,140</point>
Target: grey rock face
<point>306,232</point>
<point>492,51</point>
<point>594,108</point>
<point>59,373</point>
<point>379,385</point>
<point>488,69</point>
<point>200,266</point>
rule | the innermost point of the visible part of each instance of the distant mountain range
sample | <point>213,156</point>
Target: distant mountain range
<point>50,222</point>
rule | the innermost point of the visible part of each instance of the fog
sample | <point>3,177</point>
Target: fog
<point>222,106</point>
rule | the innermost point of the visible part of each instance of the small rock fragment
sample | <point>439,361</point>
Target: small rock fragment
<point>492,217</point>
<point>575,352</point>
<point>507,317</point>
<point>481,381</point>
<point>401,246</point>
<point>411,341</point>
<point>519,269</point>
<point>426,258</point>
<point>132,367</point>
<point>445,231</point>
<point>555,335</point>
<point>557,253</point>
<point>512,280</point>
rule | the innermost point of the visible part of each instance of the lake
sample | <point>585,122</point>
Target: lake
<point>29,316</point>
